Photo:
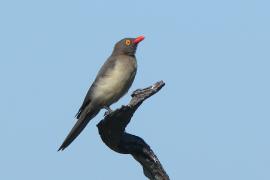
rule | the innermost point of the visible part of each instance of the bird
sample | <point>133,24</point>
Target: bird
<point>113,81</point>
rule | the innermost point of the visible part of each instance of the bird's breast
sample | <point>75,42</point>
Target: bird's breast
<point>116,81</point>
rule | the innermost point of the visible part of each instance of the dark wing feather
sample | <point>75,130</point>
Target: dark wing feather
<point>86,102</point>
<point>106,67</point>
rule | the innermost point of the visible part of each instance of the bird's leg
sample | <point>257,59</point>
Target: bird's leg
<point>109,110</point>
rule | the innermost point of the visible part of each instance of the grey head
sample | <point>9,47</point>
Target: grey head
<point>127,46</point>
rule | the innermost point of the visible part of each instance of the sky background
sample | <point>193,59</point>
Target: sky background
<point>210,122</point>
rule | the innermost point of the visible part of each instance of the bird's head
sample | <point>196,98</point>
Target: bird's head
<point>127,46</point>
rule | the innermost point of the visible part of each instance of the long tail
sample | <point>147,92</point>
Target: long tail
<point>79,126</point>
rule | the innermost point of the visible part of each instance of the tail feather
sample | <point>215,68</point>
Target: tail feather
<point>78,127</point>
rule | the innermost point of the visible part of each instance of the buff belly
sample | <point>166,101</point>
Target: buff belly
<point>115,84</point>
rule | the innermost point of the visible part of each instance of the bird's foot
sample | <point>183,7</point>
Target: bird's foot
<point>109,110</point>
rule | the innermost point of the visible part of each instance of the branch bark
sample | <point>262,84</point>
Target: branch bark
<point>112,133</point>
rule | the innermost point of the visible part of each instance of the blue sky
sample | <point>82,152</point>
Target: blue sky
<point>210,121</point>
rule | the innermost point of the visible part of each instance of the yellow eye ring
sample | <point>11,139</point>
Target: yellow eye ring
<point>128,42</point>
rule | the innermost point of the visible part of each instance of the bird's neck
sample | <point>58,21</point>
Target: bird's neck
<point>115,53</point>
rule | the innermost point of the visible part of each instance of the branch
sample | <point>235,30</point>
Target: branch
<point>112,132</point>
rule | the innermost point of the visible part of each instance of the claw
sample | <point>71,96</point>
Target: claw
<point>109,110</point>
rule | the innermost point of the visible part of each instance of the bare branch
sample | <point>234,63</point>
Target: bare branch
<point>112,132</point>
